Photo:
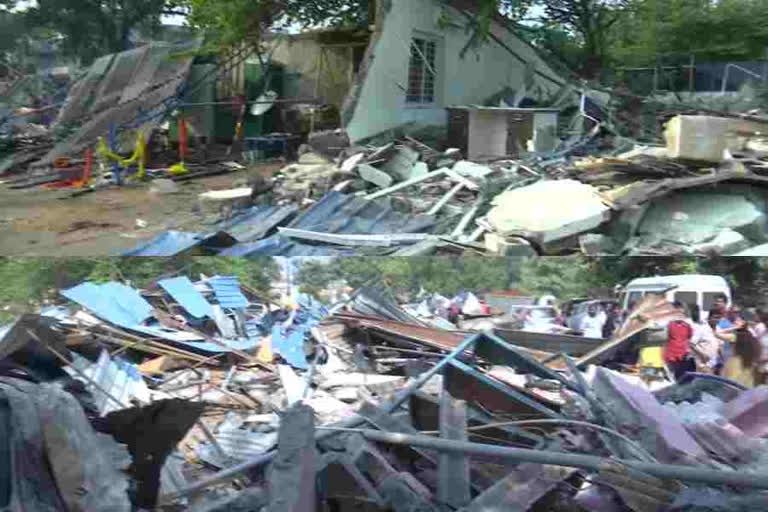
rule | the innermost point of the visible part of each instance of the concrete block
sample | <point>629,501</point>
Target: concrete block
<point>548,211</point>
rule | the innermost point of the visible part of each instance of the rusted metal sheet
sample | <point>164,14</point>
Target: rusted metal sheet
<point>554,343</point>
<point>426,336</point>
<point>653,310</point>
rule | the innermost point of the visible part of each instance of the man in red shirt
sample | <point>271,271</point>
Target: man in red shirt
<point>677,352</point>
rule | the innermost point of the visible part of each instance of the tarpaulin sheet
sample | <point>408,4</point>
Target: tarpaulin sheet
<point>184,292</point>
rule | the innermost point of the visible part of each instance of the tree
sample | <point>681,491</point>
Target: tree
<point>236,21</point>
<point>87,29</point>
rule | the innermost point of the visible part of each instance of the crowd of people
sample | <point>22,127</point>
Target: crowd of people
<point>731,343</point>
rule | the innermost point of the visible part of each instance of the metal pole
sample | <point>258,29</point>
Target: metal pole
<point>233,472</point>
<point>691,74</point>
<point>590,462</point>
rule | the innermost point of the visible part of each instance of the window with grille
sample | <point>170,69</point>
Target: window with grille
<point>421,71</point>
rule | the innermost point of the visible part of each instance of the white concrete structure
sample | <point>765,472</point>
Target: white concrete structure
<point>413,68</point>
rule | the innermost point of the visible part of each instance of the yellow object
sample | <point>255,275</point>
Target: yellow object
<point>139,155</point>
<point>177,169</point>
<point>652,357</point>
<point>265,350</point>
<point>239,130</point>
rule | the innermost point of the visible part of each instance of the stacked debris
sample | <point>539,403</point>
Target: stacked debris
<point>193,396</point>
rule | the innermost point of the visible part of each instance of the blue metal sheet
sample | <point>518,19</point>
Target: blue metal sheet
<point>113,302</point>
<point>227,290</point>
<point>123,306</point>
<point>184,292</point>
<point>290,346</point>
<point>169,243</point>
<point>334,213</point>
<point>257,222</point>
<point>340,214</point>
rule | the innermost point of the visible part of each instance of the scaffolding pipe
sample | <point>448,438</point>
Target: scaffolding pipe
<point>590,462</point>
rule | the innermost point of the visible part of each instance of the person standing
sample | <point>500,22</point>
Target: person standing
<point>677,352</point>
<point>613,322</point>
<point>726,331</point>
<point>704,344</point>
<point>592,324</point>
<point>761,334</point>
<point>742,364</point>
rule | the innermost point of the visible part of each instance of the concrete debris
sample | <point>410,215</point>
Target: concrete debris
<point>548,211</point>
<point>519,427</point>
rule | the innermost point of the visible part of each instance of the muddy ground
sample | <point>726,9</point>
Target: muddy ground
<point>46,222</point>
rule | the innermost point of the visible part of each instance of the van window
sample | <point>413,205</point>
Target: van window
<point>709,300</point>
<point>634,297</point>
<point>688,298</point>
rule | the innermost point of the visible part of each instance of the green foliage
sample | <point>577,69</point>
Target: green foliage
<point>234,21</point>
<point>90,28</point>
<point>713,31</point>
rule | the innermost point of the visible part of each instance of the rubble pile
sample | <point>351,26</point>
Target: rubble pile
<point>202,396</point>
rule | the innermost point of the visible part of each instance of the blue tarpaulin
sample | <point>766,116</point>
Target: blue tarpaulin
<point>184,292</point>
<point>227,290</point>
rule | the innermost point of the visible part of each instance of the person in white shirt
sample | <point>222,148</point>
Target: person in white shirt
<point>592,324</point>
<point>704,344</point>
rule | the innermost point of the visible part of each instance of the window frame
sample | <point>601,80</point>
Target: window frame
<point>429,68</point>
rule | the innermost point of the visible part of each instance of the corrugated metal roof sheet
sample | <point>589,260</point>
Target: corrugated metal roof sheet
<point>227,290</point>
<point>113,302</point>
<point>136,82</point>
<point>184,292</point>
<point>123,306</point>
<point>120,379</point>
<point>253,224</point>
<point>340,214</point>
<point>169,243</point>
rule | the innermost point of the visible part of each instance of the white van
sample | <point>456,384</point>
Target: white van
<point>691,289</point>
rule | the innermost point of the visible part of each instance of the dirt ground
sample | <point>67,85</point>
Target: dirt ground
<point>47,222</point>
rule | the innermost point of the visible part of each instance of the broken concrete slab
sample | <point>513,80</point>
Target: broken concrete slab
<point>726,242</point>
<point>373,175</point>
<point>691,217</point>
<point>548,211</point>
